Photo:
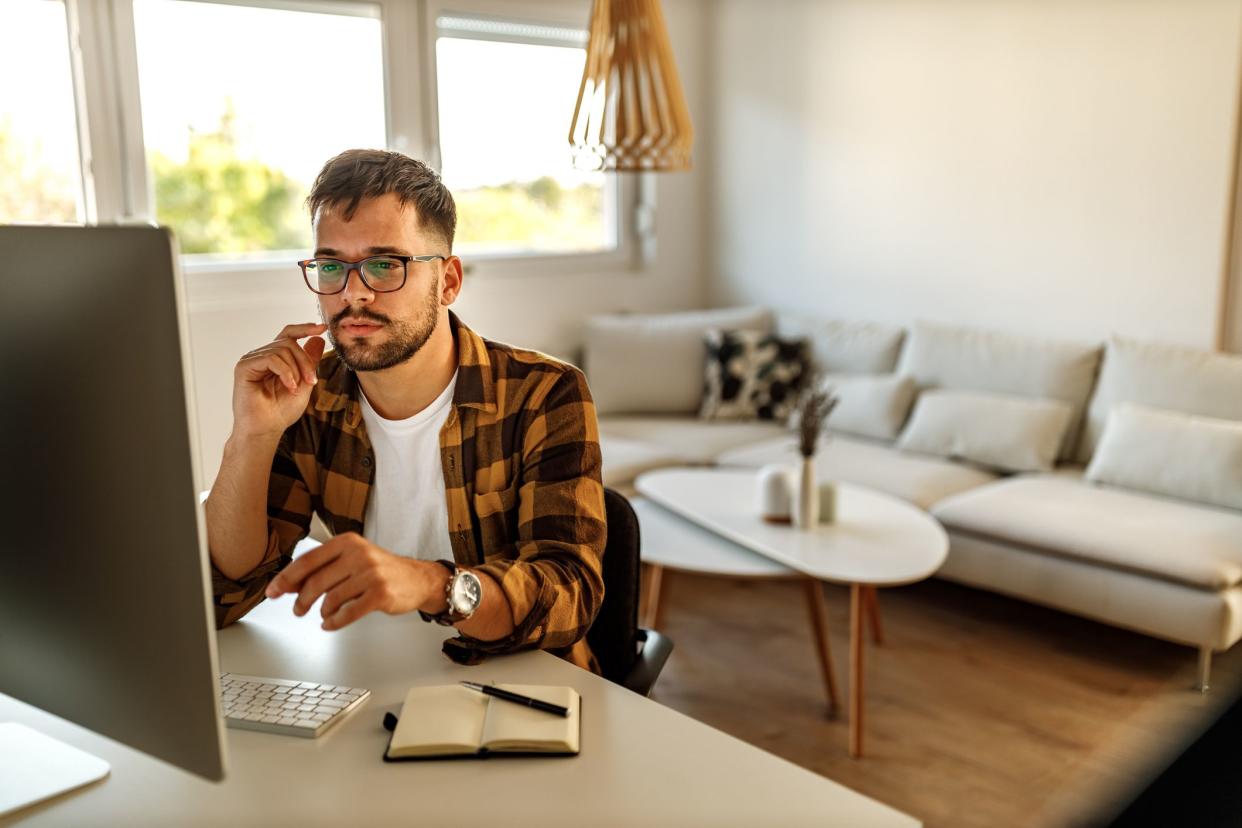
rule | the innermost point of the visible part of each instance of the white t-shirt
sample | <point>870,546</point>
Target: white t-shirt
<point>407,512</point>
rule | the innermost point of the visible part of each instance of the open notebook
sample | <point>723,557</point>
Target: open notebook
<point>451,720</point>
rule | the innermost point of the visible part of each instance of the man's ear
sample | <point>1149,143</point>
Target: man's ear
<point>451,286</point>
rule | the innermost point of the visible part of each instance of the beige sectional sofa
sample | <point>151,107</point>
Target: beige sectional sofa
<point>1160,554</point>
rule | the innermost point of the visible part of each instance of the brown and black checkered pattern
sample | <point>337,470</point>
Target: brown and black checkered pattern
<point>521,459</point>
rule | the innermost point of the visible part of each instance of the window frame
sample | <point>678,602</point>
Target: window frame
<point>116,181</point>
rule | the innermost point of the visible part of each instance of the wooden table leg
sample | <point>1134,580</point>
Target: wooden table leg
<point>857,598</point>
<point>873,611</point>
<point>818,610</point>
<point>652,617</point>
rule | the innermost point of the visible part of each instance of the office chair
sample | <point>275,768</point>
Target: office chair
<point>628,654</point>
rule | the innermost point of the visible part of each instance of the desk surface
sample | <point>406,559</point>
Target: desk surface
<point>641,763</point>
<point>876,539</point>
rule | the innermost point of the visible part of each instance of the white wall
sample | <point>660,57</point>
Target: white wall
<point>235,311</point>
<point>1048,166</point>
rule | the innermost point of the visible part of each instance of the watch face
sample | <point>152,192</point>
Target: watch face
<point>467,593</point>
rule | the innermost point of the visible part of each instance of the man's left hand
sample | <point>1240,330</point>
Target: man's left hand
<point>356,577</point>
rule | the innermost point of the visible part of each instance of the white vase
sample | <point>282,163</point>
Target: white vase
<point>776,486</point>
<point>806,505</point>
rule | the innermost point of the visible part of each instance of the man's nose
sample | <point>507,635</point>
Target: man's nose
<point>356,289</point>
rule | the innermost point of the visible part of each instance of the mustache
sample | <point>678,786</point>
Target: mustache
<point>359,315</point>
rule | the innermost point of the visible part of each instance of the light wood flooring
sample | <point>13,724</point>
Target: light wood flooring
<point>981,710</point>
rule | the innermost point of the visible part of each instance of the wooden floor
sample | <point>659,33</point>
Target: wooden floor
<point>981,710</point>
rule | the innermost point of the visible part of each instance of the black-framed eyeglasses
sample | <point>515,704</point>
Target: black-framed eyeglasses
<point>382,274</point>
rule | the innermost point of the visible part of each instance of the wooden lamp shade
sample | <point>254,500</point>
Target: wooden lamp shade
<point>631,115</point>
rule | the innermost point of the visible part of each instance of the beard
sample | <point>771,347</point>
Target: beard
<point>404,338</point>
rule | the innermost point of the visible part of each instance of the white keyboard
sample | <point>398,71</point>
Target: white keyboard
<point>295,708</point>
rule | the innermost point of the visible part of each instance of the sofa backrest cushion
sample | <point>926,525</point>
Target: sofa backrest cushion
<point>941,356</point>
<point>1004,432</point>
<point>1186,456</point>
<point>1170,377</point>
<point>845,347</point>
<point>654,363</point>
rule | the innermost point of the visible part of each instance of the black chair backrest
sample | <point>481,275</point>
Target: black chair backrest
<point>614,635</point>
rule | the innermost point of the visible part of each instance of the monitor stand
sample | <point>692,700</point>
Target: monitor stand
<point>34,767</point>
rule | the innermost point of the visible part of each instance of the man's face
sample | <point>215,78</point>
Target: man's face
<point>372,330</point>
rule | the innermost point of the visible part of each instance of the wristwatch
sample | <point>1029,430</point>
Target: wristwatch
<point>463,594</point>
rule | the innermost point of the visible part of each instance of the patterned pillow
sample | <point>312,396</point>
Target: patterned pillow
<point>752,375</point>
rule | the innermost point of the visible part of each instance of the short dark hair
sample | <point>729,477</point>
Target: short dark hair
<point>362,173</point>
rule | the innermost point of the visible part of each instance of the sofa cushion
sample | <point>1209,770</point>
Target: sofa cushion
<point>922,481</point>
<point>751,375</point>
<point>653,363</point>
<point>1179,455</point>
<point>870,406</point>
<point>1171,377</point>
<point>1062,514</point>
<point>1000,431</point>
<point>690,440</point>
<point>843,347</point>
<point>977,360</point>
<point>624,460</point>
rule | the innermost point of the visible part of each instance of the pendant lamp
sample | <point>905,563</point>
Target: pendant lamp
<point>631,114</point>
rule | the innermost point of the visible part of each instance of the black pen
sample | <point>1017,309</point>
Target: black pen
<point>518,698</point>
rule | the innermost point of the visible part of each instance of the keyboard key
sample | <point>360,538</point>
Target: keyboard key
<point>285,721</point>
<point>336,703</point>
<point>307,723</point>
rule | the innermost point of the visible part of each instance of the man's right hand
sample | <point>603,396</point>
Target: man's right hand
<point>272,384</point>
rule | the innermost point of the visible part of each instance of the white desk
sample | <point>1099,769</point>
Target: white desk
<point>641,763</point>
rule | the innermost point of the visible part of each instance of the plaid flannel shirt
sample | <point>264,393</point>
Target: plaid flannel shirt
<point>521,460</point>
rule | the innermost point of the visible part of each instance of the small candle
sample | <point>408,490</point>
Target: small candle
<point>775,493</point>
<point>828,502</point>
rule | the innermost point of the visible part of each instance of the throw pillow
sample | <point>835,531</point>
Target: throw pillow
<point>751,375</point>
<point>1170,453</point>
<point>1000,431</point>
<point>868,405</point>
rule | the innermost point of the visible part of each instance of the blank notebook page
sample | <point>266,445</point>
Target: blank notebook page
<point>510,725</point>
<point>440,719</point>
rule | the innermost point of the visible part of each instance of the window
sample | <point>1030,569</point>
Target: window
<point>214,116</point>
<point>39,164</point>
<point>241,107</point>
<point>505,93</point>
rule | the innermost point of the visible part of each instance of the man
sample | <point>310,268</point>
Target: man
<point>460,477</point>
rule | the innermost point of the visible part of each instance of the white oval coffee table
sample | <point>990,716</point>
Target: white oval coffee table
<point>670,542</point>
<point>877,541</point>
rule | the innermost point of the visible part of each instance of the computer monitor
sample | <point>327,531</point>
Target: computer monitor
<point>105,607</point>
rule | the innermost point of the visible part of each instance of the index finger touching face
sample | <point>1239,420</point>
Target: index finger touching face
<point>301,329</point>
